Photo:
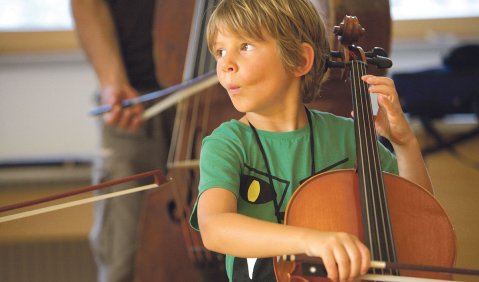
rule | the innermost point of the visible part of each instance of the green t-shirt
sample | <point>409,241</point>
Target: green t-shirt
<point>231,159</point>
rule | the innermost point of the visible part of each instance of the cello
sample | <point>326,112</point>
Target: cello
<point>398,220</point>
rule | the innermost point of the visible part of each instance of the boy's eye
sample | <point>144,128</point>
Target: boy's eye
<point>246,47</point>
<point>220,53</point>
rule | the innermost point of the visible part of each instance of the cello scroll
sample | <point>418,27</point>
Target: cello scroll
<point>349,32</point>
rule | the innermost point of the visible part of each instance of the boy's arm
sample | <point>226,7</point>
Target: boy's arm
<point>225,231</point>
<point>392,124</point>
<point>411,163</point>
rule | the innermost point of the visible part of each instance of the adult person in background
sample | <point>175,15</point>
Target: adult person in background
<point>117,38</point>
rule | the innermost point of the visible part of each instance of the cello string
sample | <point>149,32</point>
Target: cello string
<point>177,143</point>
<point>371,183</point>
<point>205,64</point>
<point>192,127</point>
<point>366,199</point>
<point>188,72</point>
<point>188,236</point>
<point>383,240</point>
<point>210,64</point>
<point>200,68</point>
<point>206,115</point>
<point>189,118</point>
<point>175,136</point>
<point>387,227</point>
<point>376,169</point>
<point>369,166</point>
<point>379,188</point>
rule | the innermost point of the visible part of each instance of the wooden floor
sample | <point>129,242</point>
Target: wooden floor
<point>456,186</point>
<point>51,247</point>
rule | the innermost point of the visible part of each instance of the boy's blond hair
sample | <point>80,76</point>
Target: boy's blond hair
<point>290,22</point>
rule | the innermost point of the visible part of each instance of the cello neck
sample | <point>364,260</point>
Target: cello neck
<point>377,228</point>
<point>367,153</point>
<point>378,233</point>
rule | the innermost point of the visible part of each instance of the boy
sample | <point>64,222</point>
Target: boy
<point>271,57</point>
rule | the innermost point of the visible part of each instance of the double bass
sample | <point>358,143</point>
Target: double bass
<point>398,220</point>
<point>169,250</point>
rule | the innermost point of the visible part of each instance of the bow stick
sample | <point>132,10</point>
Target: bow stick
<point>159,180</point>
<point>183,91</point>
<point>389,266</point>
<point>392,278</point>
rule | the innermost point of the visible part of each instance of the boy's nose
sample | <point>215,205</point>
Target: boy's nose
<point>228,65</point>
<point>229,68</point>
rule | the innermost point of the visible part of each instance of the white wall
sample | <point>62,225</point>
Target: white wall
<point>44,103</point>
<point>417,55</point>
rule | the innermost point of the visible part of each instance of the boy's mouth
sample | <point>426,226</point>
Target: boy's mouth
<point>233,89</point>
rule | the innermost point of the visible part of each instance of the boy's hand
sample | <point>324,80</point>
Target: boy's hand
<point>390,121</point>
<point>343,255</point>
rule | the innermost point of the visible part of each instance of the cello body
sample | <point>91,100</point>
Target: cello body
<point>422,232</point>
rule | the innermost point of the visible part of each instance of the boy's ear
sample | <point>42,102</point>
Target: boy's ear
<point>307,53</point>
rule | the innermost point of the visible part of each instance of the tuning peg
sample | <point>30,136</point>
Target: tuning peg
<point>378,51</point>
<point>378,57</point>
<point>380,62</point>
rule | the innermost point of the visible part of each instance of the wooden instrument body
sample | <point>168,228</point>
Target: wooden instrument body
<point>422,232</point>
<point>169,250</point>
<point>162,253</point>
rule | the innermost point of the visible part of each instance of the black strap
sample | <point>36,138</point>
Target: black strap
<point>270,176</point>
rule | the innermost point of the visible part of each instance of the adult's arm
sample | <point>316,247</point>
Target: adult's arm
<point>97,35</point>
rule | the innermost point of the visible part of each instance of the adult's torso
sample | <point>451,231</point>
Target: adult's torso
<point>134,25</point>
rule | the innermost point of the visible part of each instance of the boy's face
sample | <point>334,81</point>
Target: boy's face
<point>253,73</point>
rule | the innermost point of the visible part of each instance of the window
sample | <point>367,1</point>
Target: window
<point>35,15</point>
<point>46,25</point>
<point>430,9</point>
